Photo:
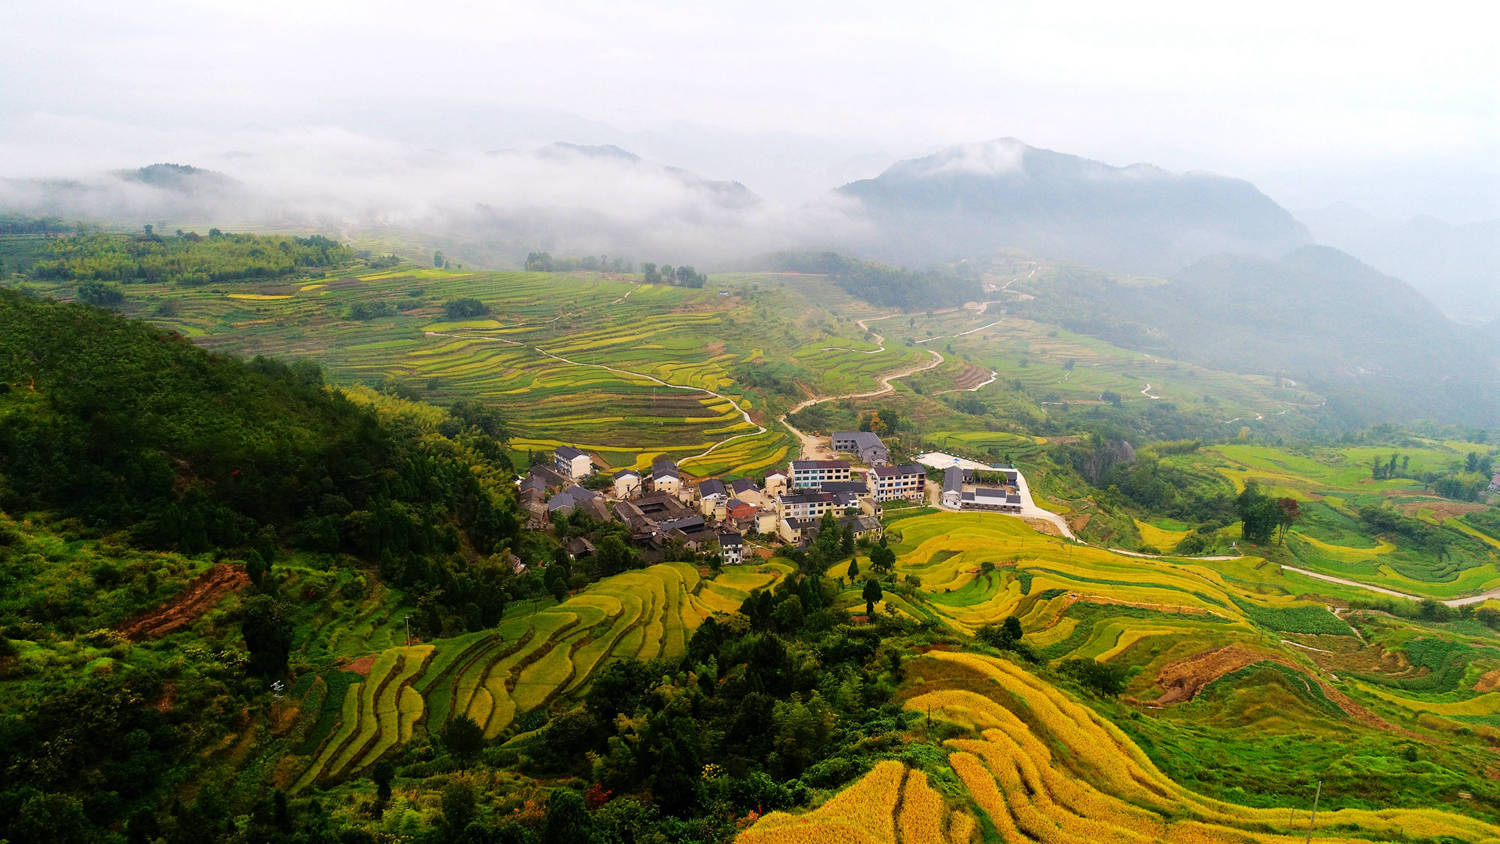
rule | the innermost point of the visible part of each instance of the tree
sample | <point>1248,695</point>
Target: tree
<point>466,308</point>
<point>99,293</point>
<point>1101,677</point>
<point>567,819</point>
<point>853,567</point>
<point>437,259</point>
<point>462,737</point>
<point>1289,512</point>
<point>267,629</point>
<point>458,806</point>
<point>382,774</point>
<point>871,594</point>
<point>846,541</point>
<point>1259,514</point>
<point>649,275</point>
<point>882,558</point>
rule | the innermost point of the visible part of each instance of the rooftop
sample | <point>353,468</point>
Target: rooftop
<point>903,469</point>
<point>819,464</point>
<point>567,452</point>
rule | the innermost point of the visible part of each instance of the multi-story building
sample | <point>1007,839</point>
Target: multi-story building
<point>811,474</point>
<point>573,463</point>
<point>805,505</point>
<point>889,483</point>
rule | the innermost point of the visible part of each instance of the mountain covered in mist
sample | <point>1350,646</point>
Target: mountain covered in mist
<point>1370,342</point>
<point>1456,266</point>
<point>973,199</point>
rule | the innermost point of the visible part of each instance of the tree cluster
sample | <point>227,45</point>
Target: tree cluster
<point>186,258</point>
<point>682,276</point>
<point>543,262</point>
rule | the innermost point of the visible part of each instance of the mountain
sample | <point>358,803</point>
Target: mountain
<point>972,199</point>
<point>150,193</point>
<point>1456,266</point>
<point>1370,342</point>
<point>727,194</point>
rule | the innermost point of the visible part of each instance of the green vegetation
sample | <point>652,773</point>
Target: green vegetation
<point>189,259</point>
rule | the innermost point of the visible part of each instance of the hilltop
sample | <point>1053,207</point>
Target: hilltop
<point>971,200</point>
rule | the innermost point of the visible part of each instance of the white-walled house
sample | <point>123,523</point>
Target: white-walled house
<point>627,483</point>
<point>572,462</point>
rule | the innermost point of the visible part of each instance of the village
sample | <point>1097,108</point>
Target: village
<point>720,517</point>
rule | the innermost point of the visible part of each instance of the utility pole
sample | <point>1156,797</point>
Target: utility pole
<point>407,619</point>
<point>1313,821</point>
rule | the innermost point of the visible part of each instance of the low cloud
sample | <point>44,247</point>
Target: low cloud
<point>561,198</point>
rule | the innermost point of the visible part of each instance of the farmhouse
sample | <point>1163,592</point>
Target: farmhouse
<point>665,477</point>
<point>573,463</point>
<point>953,487</point>
<point>861,527</point>
<point>546,479</point>
<point>692,530</point>
<point>889,483</point>
<point>775,484</point>
<point>575,497</point>
<point>869,448</point>
<point>998,499</point>
<point>731,548</point>
<point>627,483</point>
<point>811,474</point>
<point>713,497</point>
<point>742,515</point>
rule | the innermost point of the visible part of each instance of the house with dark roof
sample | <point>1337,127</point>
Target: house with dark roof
<point>741,486</point>
<point>890,483</point>
<point>870,450</point>
<point>953,487</point>
<point>812,474</point>
<point>731,548</point>
<point>572,462</point>
<point>574,497</point>
<point>665,476</point>
<point>713,497</point>
<point>692,530</point>
<point>806,505</point>
<point>997,499</point>
<point>627,483</point>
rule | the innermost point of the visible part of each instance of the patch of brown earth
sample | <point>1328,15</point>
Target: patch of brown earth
<point>1441,508</point>
<point>1185,678</point>
<point>1488,681</point>
<point>715,348</point>
<point>185,608</point>
<point>362,665</point>
<point>971,377</point>
<point>1044,526</point>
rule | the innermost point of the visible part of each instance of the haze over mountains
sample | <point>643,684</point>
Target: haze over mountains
<point>1242,278</point>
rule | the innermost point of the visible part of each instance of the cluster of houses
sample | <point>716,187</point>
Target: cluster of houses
<point>661,507</point>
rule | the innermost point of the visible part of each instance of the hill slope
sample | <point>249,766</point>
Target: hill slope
<point>973,199</point>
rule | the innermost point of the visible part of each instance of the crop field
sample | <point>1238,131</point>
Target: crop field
<point>1032,764</point>
<point>1332,484</point>
<point>527,663</point>
<point>624,370</point>
<point>1055,365</point>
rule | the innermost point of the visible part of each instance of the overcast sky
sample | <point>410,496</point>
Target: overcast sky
<point>1394,107</point>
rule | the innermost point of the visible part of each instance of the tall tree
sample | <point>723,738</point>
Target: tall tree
<point>871,594</point>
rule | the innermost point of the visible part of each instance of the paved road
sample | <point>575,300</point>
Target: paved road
<point>1452,602</point>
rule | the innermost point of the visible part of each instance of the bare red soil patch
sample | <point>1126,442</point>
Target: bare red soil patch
<point>362,665</point>
<point>185,608</point>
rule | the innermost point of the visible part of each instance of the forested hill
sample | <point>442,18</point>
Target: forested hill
<point>129,428</point>
<point>187,257</point>
<point>911,290</point>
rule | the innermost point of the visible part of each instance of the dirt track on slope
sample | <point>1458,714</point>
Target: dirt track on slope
<point>193,601</point>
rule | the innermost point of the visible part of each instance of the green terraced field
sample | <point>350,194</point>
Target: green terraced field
<point>529,661</point>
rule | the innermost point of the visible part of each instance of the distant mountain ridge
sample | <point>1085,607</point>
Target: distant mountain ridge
<point>973,199</point>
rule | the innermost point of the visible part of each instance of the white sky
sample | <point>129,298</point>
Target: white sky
<point>1394,106</point>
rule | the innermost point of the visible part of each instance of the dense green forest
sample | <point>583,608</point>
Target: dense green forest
<point>187,257</point>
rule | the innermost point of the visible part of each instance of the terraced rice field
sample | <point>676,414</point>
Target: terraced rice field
<point>527,663</point>
<point>1039,766</point>
<point>627,371</point>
